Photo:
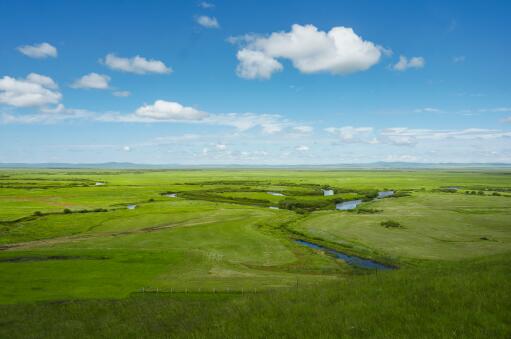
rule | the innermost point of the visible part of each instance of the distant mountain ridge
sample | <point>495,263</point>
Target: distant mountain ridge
<point>373,165</point>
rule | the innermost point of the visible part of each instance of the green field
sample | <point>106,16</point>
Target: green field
<point>216,261</point>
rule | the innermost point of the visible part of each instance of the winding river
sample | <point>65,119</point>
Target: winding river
<point>349,259</point>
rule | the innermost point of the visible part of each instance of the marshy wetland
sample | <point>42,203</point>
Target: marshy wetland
<point>221,253</point>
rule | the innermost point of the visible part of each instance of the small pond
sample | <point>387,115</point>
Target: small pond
<point>100,183</point>
<point>171,195</point>
<point>348,205</point>
<point>274,208</point>
<point>131,207</point>
<point>349,259</point>
<point>385,194</point>
<point>328,192</point>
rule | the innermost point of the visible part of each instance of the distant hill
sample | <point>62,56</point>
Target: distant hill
<point>374,165</point>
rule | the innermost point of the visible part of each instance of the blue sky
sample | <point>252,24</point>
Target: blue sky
<point>255,82</point>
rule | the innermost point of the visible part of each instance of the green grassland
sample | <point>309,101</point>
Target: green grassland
<point>216,261</point>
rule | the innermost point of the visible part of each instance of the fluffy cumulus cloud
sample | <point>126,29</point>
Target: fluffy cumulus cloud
<point>39,51</point>
<point>338,51</point>
<point>302,148</point>
<point>256,64</point>
<point>34,90</point>
<point>92,80</point>
<point>169,110</point>
<point>137,64</point>
<point>207,21</point>
<point>404,63</point>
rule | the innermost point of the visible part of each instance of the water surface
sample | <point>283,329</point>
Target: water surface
<point>352,260</point>
<point>348,205</point>
<point>328,192</point>
<point>384,194</point>
<point>131,207</point>
<point>276,194</point>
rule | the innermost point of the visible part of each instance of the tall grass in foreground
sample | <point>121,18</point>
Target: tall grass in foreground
<point>470,299</point>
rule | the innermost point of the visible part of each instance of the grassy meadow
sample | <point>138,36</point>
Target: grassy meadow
<point>216,261</point>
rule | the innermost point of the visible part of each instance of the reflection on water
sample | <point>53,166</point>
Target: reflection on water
<point>328,192</point>
<point>385,194</point>
<point>348,205</point>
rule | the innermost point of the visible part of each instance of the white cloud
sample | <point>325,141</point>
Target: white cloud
<point>409,136</point>
<point>137,64</point>
<point>206,5</point>
<point>256,64</point>
<point>121,93</point>
<point>164,111</point>
<point>39,51</point>
<point>427,110</point>
<point>495,110</point>
<point>302,148</point>
<point>47,115</point>
<point>338,51</point>
<point>92,80</point>
<point>350,134</point>
<point>169,110</point>
<point>208,22</point>
<point>303,129</point>
<point>42,80</point>
<point>126,149</point>
<point>404,63</point>
<point>34,90</point>
<point>221,147</point>
<point>269,123</point>
<point>508,120</point>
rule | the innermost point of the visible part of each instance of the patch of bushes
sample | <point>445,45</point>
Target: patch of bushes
<point>400,194</point>
<point>391,224</point>
<point>302,206</point>
<point>362,210</point>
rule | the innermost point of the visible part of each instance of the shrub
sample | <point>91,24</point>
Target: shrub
<point>38,213</point>
<point>362,210</point>
<point>391,224</point>
<point>67,211</point>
